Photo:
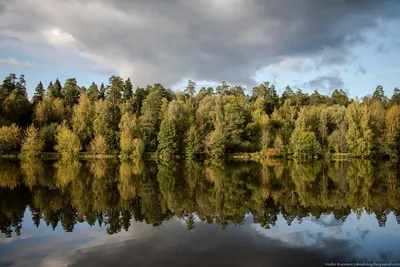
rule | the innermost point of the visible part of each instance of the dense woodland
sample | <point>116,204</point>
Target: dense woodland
<point>195,122</point>
<point>112,194</point>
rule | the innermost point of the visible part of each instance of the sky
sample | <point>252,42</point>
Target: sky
<point>312,44</point>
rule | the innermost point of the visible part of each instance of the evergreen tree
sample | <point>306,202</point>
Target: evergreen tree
<point>396,96</point>
<point>128,89</point>
<point>93,92</point>
<point>39,94</point>
<point>71,92</point>
<point>102,91</point>
<point>115,89</point>
<point>56,90</point>
<point>190,89</point>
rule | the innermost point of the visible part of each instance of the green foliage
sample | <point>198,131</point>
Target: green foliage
<point>392,135</point>
<point>55,90</point>
<point>306,145</point>
<point>10,138</point>
<point>71,92</point>
<point>359,133</point>
<point>128,89</point>
<point>193,143</point>
<point>115,89</point>
<point>32,145</point>
<point>39,94</point>
<point>93,93</point>
<point>82,119</point>
<point>50,110</point>
<point>106,122</point>
<point>68,144</point>
<point>216,145</point>
<point>220,122</point>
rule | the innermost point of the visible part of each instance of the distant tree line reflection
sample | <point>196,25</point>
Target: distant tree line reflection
<point>113,194</point>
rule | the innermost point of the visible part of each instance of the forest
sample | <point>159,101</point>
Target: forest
<point>115,119</point>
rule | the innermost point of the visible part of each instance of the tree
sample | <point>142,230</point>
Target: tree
<point>193,143</point>
<point>129,135</point>
<point>71,92</point>
<point>82,119</point>
<point>167,139</point>
<point>190,89</point>
<point>55,90</point>
<point>39,94</point>
<point>48,135</point>
<point>396,96</point>
<point>8,86</point>
<point>99,145</point>
<point>128,89</point>
<point>306,145</point>
<point>339,97</point>
<point>68,144</point>
<point>392,137</point>
<point>216,146</point>
<point>317,99</point>
<point>359,134</point>
<point>93,92</point>
<point>102,91</point>
<point>379,94</point>
<point>16,108</point>
<point>106,122</point>
<point>10,138</point>
<point>151,118</point>
<point>32,145</point>
<point>50,110</point>
<point>115,89</point>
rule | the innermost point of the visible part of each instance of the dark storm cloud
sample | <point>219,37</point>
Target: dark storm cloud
<point>326,84</point>
<point>166,41</point>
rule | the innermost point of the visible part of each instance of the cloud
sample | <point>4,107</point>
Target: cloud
<point>212,40</point>
<point>325,84</point>
<point>12,62</point>
<point>361,70</point>
<point>381,48</point>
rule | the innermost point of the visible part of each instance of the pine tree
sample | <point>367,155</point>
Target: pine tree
<point>39,94</point>
<point>190,89</point>
<point>56,90</point>
<point>93,92</point>
<point>115,88</point>
<point>128,90</point>
<point>71,92</point>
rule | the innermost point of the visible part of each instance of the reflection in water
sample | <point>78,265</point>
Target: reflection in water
<point>118,196</point>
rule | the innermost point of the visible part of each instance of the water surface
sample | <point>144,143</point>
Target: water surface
<point>279,213</point>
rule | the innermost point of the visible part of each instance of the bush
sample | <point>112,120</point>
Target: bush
<point>10,138</point>
<point>32,146</point>
<point>68,144</point>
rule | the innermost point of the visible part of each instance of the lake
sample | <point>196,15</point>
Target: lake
<point>237,213</point>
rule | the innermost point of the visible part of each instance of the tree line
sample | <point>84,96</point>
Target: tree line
<point>114,195</point>
<point>210,122</point>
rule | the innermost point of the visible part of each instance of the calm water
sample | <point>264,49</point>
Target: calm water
<point>103,213</point>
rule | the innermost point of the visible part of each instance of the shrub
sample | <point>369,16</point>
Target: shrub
<point>10,138</point>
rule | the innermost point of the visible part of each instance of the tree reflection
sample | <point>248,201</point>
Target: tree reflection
<point>112,194</point>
